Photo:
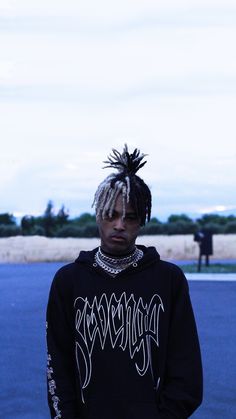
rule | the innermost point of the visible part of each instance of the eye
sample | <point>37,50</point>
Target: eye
<point>131,217</point>
<point>108,217</point>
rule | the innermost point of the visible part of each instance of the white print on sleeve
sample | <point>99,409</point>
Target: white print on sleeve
<point>128,324</point>
<point>52,386</point>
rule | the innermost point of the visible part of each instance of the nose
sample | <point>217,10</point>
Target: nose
<point>119,224</point>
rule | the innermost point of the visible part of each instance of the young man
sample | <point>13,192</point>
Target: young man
<point>121,334</point>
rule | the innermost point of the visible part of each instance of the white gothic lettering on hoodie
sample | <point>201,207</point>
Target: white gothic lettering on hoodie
<point>122,322</point>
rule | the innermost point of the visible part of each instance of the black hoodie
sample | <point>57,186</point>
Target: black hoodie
<point>123,347</point>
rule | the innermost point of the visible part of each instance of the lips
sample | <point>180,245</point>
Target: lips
<point>118,237</point>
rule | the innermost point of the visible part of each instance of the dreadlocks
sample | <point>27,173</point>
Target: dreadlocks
<point>126,182</point>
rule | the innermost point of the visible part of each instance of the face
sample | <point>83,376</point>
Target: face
<point>118,234</point>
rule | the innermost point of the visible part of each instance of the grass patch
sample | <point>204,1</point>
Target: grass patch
<point>213,268</point>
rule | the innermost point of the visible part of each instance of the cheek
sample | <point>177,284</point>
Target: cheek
<point>103,229</point>
<point>134,231</point>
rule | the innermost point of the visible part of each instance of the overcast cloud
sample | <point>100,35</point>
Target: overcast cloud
<point>78,78</point>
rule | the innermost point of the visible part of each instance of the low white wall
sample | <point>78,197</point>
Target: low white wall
<point>41,249</point>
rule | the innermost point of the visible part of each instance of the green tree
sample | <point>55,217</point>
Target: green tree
<point>7,230</point>
<point>180,224</point>
<point>62,216</point>
<point>230,227</point>
<point>49,219</point>
<point>84,219</point>
<point>27,224</point>
<point>179,217</point>
<point>7,219</point>
<point>212,219</point>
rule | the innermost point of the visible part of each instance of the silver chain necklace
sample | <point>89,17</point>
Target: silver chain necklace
<point>115,265</point>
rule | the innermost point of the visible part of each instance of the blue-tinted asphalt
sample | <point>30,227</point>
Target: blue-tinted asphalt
<point>23,298</point>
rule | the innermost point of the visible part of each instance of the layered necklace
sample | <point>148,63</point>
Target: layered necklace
<point>114,265</point>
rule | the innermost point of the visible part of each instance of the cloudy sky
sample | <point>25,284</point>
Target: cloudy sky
<point>78,78</point>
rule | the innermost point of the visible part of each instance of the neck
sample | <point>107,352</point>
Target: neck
<point>113,264</point>
<point>120,255</point>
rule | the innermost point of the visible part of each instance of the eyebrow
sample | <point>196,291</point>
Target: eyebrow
<point>114,212</point>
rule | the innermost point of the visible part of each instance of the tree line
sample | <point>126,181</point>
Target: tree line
<point>59,224</point>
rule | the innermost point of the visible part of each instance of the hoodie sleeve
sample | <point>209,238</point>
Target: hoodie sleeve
<point>61,381</point>
<point>181,393</point>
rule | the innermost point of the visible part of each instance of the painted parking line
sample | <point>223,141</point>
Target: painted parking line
<point>211,277</point>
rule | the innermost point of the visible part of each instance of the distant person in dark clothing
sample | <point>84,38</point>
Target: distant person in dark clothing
<point>121,335</point>
<point>205,241</point>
